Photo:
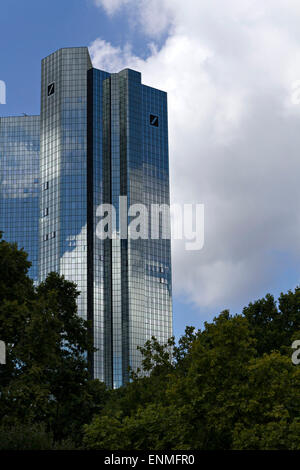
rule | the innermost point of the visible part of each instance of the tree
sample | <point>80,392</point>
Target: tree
<point>231,385</point>
<point>269,404</point>
<point>274,323</point>
<point>222,388</point>
<point>46,379</point>
<point>16,297</point>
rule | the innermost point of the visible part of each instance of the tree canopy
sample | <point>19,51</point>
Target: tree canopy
<point>229,385</point>
<point>45,381</point>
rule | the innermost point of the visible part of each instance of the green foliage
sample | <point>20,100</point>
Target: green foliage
<point>30,437</point>
<point>153,426</point>
<point>273,323</point>
<point>269,403</point>
<point>25,437</point>
<point>46,379</point>
<point>231,385</point>
<point>220,388</point>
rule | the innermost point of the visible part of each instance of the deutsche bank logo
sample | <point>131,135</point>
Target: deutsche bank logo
<point>2,353</point>
<point>51,89</point>
<point>2,92</point>
<point>153,120</point>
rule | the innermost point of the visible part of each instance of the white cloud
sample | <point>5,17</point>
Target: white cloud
<point>111,6</point>
<point>154,16</point>
<point>109,58</point>
<point>229,69</point>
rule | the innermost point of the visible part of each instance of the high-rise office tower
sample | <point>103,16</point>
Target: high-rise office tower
<point>103,141</point>
<point>19,184</point>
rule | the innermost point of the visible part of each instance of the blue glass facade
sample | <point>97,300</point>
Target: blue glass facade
<point>103,136</point>
<point>63,168</point>
<point>98,285</point>
<point>19,184</point>
<point>137,296</point>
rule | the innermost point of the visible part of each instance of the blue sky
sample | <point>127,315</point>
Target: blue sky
<point>30,31</point>
<point>241,144</point>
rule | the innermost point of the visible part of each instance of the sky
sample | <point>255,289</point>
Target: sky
<point>232,73</point>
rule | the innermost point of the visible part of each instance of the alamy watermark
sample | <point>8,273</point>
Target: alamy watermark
<point>296,353</point>
<point>152,222</point>
<point>2,353</point>
<point>2,92</point>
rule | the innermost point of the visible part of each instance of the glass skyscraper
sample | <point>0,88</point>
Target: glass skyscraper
<point>99,136</point>
<point>19,184</point>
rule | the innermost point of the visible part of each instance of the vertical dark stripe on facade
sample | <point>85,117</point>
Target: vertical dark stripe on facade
<point>108,325</point>
<point>123,87</point>
<point>90,216</point>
